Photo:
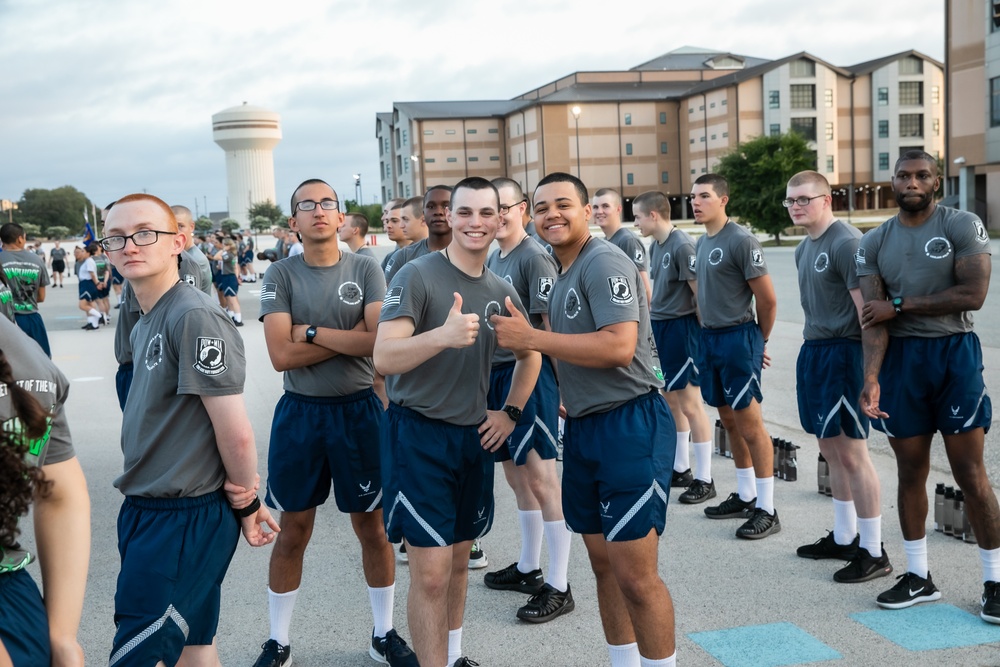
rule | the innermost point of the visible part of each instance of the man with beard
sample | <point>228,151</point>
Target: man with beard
<point>922,272</point>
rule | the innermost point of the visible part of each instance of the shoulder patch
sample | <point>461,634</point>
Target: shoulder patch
<point>692,261</point>
<point>859,256</point>
<point>981,234</point>
<point>211,356</point>
<point>392,297</point>
<point>545,284</point>
<point>268,292</point>
<point>757,257</point>
<point>621,291</point>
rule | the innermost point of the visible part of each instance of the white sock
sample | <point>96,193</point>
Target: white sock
<point>990,559</point>
<point>916,556</point>
<point>765,493</point>
<point>93,312</point>
<point>558,539</point>
<point>665,662</point>
<point>871,535</point>
<point>745,484</point>
<point>93,320</point>
<point>845,521</point>
<point>238,317</point>
<point>454,645</point>
<point>626,655</point>
<point>230,313</point>
<point>703,461</point>
<point>281,606</point>
<point>682,460</point>
<point>531,540</point>
<point>382,601</point>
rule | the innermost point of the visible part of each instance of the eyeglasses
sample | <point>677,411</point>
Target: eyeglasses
<point>310,205</point>
<point>801,201</point>
<point>505,208</point>
<point>140,238</point>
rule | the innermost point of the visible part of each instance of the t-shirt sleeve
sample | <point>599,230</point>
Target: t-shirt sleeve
<point>60,445</point>
<point>541,276</point>
<point>969,236</point>
<point>405,297</point>
<point>610,283</point>
<point>43,275</point>
<point>374,282</point>
<point>866,257</point>
<point>844,263</point>
<point>684,262</point>
<point>275,296</point>
<point>637,253</point>
<point>750,257</point>
<point>210,356</point>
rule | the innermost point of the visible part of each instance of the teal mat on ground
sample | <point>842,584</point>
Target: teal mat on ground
<point>929,627</point>
<point>763,646</point>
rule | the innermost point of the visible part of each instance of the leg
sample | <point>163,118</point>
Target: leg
<point>965,454</point>
<point>285,570</point>
<point>913,463</point>
<point>519,483</point>
<point>544,486</point>
<point>860,478</point>
<point>377,559</point>
<point>615,619</point>
<point>427,605</point>
<point>755,439</point>
<point>200,656</point>
<point>680,417</point>
<point>693,411</point>
<point>734,437</point>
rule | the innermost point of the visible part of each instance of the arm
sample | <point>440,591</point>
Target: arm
<point>875,340</point>
<point>766,304</point>
<point>286,354</point>
<point>693,284</point>
<point>648,285</point>
<point>972,280</point>
<point>358,342</point>
<point>62,532</point>
<point>398,351</point>
<point>40,296</point>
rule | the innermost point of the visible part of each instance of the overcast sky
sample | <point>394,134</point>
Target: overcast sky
<point>117,97</point>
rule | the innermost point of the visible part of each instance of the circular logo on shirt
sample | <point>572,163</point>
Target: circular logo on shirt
<point>509,279</point>
<point>822,263</point>
<point>350,293</point>
<point>154,352</point>
<point>715,257</point>
<point>572,305</point>
<point>665,263</point>
<point>190,280</point>
<point>937,248</point>
<point>492,308</point>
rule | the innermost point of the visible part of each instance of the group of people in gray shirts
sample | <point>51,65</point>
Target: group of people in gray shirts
<point>405,384</point>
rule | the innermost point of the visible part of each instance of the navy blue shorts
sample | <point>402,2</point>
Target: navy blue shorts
<point>24,626</point>
<point>933,384</point>
<point>617,467</point>
<point>438,480</point>
<point>678,344</point>
<point>319,441</point>
<point>246,258</point>
<point>829,377</point>
<point>32,324</point>
<point>116,278</point>
<point>228,284</point>
<point>174,556</point>
<point>123,382</point>
<point>103,292</point>
<point>88,290</point>
<point>731,362</point>
<point>539,425</point>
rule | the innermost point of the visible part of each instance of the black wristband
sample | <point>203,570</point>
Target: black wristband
<point>250,509</point>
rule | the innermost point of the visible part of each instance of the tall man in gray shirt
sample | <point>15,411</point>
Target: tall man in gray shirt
<point>922,272</point>
<point>732,275</point>
<point>192,258</point>
<point>608,216</point>
<point>829,379</point>
<point>435,346</point>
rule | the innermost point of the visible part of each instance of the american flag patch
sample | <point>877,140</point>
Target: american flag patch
<point>268,292</point>
<point>392,297</point>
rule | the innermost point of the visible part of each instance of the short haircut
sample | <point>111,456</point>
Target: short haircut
<point>416,206</point>
<point>608,191</point>
<point>503,182</point>
<point>917,154</point>
<point>431,189</point>
<point>813,178</point>
<point>475,183</point>
<point>718,183</point>
<point>181,210</point>
<point>92,247</point>
<point>563,177</point>
<point>167,211</point>
<point>651,201</point>
<point>359,221</point>
<point>310,181</point>
<point>10,232</point>
<point>393,204</point>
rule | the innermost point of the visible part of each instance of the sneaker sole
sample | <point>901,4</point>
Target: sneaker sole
<point>776,528</point>
<point>565,609</point>
<point>696,501</point>
<point>479,563</point>
<point>742,514</point>
<point>936,595</point>
<point>520,588</point>
<point>375,655</point>
<point>826,556</point>
<point>882,572</point>
<point>989,619</point>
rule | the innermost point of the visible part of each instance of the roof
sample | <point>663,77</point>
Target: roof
<point>871,65</point>
<point>740,76</point>
<point>696,58</point>
<point>459,108</point>
<point>614,92</point>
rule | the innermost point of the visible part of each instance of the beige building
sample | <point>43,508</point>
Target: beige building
<point>661,124</point>
<point>972,48</point>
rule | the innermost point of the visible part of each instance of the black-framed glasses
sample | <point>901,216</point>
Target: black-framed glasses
<point>140,238</point>
<point>310,205</point>
<point>801,201</point>
<point>505,208</point>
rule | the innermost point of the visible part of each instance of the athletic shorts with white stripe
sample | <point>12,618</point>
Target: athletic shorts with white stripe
<point>731,361</point>
<point>678,344</point>
<point>829,377</point>
<point>538,428</point>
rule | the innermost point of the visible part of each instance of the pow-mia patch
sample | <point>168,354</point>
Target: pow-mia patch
<point>638,255</point>
<point>210,354</point>
<point>692,261</point>
<point>572,305</point>
<point>665,262</point>
<point>492,308</point>
<point>621,291</point>
<point>350,293</point>
<point>859,256</point>
<point>154,352</point>
<point>937,248</point>
<point>715,257</point>
<point>822,263</point>
<point>190,279</point>
<point>757,257</point>
<point>981,235</point>
<point>544,288</point>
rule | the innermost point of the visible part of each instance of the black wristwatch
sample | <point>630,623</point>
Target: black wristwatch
<point>897,305</point>
<point>311,334</point>
<point>513,412</point>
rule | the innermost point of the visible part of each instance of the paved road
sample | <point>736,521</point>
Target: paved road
<point>718,582</point>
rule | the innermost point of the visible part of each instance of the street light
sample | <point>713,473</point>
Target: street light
<point>576,119</point>
<point>357,188</point>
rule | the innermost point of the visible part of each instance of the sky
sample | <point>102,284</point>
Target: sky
<point>114,97</point>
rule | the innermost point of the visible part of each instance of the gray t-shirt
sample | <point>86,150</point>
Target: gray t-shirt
<point>452,385</point>
<point>128,317</point>
<point>917,261</point>
<point>826,276</point>
<point>602,287</point>
<point>724,264</point>
<point>332,297</point>
<point>532,272</point>
<point>195,253</point>
<point>186,347</point>
<point>631,246</point>
<point>404,255</point>
<point>671,266</point>
<point>365,251</point>
<point>58,254</point>
<point>25,273</point>
<point>190,271</point>
<point>6,301</point>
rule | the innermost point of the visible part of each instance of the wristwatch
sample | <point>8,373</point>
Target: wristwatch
<point>311,334</point>
<point>513,412</point>
<point>897,305</point>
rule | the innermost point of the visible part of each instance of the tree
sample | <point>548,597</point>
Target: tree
<point>63,207</point>
<point>758,172</point>
<point>371,211</point>
<point>57,232</point>
<point>203,224</point>
<point>271,211</point>
<point>31,230</point>
<point>261,224</point>
<point>229,225</point>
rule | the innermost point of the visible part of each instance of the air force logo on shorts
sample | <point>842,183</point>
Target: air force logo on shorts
<point>937,248</point>
<point>211,356</point>
<point>822,263</point>
<point>350,293</point>
<point>544,288</point>
<point>621,291</point>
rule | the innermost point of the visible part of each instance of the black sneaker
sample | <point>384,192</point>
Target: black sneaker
<point>909,590</point>
<point>864,567</point>
<point>238,323</point>
<point>465,662</point>
<point>477,557</point>
<point>990,602</point>
<point>759,525</point>
<point>547,604</point>
<point>698,492</point>
<point>732,508</point>
<point>827,547</point>
<point>392,650</point>
<point>274,655</point>
<point>681,479</point>
<point>90,326</point>
<point>401,555</point>
<point>512,579</point>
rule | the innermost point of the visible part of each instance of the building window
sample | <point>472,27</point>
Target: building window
<point>935,94</point>
<point>911,93</point>
<point>693,171</point>
<point>404,136</point>
<point>690,109</point>
<point>663,118</point>
<point>995,100</point>
<point>496,158</point>
<point>802,68</point>
<point>493,130</point>
<point>775,130</point>
<point>829,131</point>
<point>883,97</point>
<point>828,98</point>
<point>704,169</point>
<point>664,177</point>
<point>725,134</point>
<point>628,119</point>
<point>883,129</point>
<point>449,131</point>
<point>471,130</point>
<point>936,126</point>
<point>702,138</point>
<point>802,96</point>
<point>692,141</point>
<point>995,24</point>
<point>428,133</point>
<point>473,159</point>
<point>774,99</point>
<point>663,148</point>
<point>829,164</point>
<point>429,160</point>
<point>911,125</point>
<point>805,127</point>
<point>406,166</point>
<point>453,159</point>
<point>629,178</point>
<point>407,190</point>
<point>397,135</point>
<point>713,137</point>
<point>712,105</point>
<point>701,107</point>
<point>628,149</point>
<point>725,102</point>
<point>883,161</point>
<point>911,65</point>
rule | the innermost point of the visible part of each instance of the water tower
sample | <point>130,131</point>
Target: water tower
<point>248,134</point>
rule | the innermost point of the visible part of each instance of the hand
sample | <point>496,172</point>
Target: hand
<point>253,527</point>
<point>869,400</point>
<point>460,329</point>
<point>495,430</point>
<point>299,332</point>
<point>767,358</point>
<point>875,312</point>
<point>513,332</point>
<point>66,652</point>
<point>562,412</point>
<point>239,496</point>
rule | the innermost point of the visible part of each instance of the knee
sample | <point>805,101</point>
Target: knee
<point>636,585</point>
<point>371,532</point>
<point>293,538</point>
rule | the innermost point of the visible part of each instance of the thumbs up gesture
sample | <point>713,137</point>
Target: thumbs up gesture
<point>513,332</point>
<point>460,329</point>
